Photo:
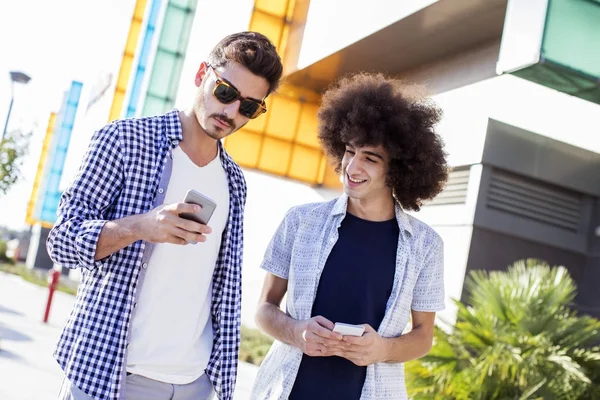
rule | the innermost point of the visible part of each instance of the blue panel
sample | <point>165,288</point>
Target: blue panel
<point>143,59</point>
<point>41,197</point>
<point>56,159</point>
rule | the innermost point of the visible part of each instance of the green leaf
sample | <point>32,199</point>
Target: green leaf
<point>517,337</point>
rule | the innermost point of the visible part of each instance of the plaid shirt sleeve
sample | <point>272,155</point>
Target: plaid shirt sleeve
<point>73,239</point>
<point>279,252</point>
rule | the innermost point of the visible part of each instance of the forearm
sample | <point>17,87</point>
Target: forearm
<point>273,321</point>
<point>411,346</point>
<point>117,235</point>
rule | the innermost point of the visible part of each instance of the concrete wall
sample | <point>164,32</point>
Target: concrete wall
<point>496,251</point>
<point>37,256</point>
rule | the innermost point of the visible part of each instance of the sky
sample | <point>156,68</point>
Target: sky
<point>53,42</point>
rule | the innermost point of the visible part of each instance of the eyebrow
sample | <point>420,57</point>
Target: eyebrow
<point>367,152</point>
<point>371,153</point>
<point>233,86</point>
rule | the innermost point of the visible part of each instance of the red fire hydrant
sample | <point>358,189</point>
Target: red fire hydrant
<point>53,277</point>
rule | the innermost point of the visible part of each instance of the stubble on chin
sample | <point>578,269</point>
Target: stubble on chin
<point>216,132</point>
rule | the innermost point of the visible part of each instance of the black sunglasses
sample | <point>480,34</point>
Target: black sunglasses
<point>227,94</point>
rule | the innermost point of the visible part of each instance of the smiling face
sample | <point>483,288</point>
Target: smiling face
<point>219,120</point>
<point>365,171</point>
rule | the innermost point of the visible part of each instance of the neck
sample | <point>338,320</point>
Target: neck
<point>377,209</point>
<point>198,146</point>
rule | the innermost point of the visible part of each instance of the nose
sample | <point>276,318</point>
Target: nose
<point>353,166</point>
<point>231,110</point>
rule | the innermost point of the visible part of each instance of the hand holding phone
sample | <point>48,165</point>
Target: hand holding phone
<point>348,329</point>
<point>208,207</point>
<point>315,338</point>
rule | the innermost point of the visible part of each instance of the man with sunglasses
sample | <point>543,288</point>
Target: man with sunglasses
<point>358,259</point>
<point>157,313</point>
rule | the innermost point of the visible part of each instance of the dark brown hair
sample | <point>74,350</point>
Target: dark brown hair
<point>251,50</point>
<point>371,109</point>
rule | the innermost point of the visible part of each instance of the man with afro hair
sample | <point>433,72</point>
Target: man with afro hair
<point>358,259</point>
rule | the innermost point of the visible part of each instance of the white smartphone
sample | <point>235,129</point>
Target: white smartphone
<point>348,329</point>
<point>208,207</point>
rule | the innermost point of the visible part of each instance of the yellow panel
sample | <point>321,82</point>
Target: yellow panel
<point>299,92</point>
<point>305,164</point>
<point>307,129</point>
<point>244,147</point>
<point>132,39</point>
<point>46,225</point>
<point>275,7</point>
<point>258,124</point>
<point>127,61</point>
<point>284,117</point>
<point>124,73</point>
<point>40,170</point>
<point>269,26</point>
<point>291,123</point>
<point>274,156</point>
<point>291,6</point>
<point>281,46</point>
<point>322,168</point>
<point>117,104</point>
<point>331,179</point>
<point>140,9</point>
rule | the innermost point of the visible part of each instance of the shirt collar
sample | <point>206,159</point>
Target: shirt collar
<point>341,206</point>
<point>173,128</point>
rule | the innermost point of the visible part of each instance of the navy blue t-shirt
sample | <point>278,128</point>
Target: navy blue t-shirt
<point>354,288</point>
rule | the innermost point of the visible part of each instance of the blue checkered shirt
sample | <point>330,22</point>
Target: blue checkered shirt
<point>125,172</point>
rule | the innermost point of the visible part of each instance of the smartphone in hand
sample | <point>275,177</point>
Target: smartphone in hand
<point>208,207</point>
<point>348,329</point>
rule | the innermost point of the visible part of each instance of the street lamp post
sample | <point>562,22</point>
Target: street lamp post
<point>15,77</point>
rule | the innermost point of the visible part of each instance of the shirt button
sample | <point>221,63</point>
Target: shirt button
<point>145,265</point>
<point>174,142</point>
<point>160,190</point>
<point>134,305</point>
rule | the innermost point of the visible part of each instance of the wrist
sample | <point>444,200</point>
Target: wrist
<point>385,350</point>
<point>134,228</point>
<point>295,333</point>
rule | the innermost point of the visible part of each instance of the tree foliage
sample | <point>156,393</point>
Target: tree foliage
<point>517,339</point>
<point>13,149</point>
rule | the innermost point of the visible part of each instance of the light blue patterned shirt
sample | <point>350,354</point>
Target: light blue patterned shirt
<point>298,253</point>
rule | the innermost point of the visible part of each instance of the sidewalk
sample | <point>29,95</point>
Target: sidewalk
<point>27,369</point>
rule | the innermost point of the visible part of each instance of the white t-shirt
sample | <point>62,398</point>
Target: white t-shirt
<point>171,331</point>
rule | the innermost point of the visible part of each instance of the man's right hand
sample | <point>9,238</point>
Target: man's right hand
<point>315,337</point>
<point>164,225</point>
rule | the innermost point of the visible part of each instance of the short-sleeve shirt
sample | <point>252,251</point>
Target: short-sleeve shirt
<point>298,253</point>
<point>354,288</point>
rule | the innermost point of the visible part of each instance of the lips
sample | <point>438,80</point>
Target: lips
<point>353,182</point>
<point>222,123</point>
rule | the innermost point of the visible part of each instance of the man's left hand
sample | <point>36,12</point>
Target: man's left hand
<point>370,348</point>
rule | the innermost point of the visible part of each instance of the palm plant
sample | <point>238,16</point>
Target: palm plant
<point>517,339</point>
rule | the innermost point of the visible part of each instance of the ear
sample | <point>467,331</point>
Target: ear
<point>202,70</point>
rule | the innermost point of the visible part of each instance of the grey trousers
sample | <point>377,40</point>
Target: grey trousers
<point>138,387</point>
